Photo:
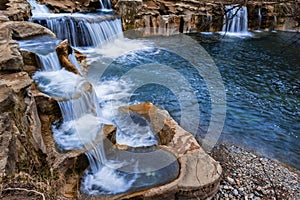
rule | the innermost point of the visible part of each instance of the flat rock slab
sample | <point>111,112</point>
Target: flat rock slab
<point>199,175</point>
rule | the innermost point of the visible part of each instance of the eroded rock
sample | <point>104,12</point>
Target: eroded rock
<point>15,10</point>
<point>200,174</point>
<point>63,51</point>
<point>10,57</point>
<point>23,29</point>
<point>71,6</point>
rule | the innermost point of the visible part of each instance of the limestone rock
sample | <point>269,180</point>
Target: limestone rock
<point>10,57</point>
<point>63,51</point>
<point>15,10</point>
<point>200,174</point>
<point>71,6</point>
<point>30,61</point>
<point>20,126</point>
<point>23,29</point>
<point>165,17</point>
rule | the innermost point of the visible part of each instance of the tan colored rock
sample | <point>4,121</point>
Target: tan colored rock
<point>30,61</point>
<point>10,57</point>
<point>199,173</point>
<point>23,29</point>
<point>15,10</point>
<point>63,51</point>
<point>71,6</point>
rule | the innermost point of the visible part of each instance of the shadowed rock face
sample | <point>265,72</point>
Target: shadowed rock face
<point>10,56</point>
<point>195,15</point>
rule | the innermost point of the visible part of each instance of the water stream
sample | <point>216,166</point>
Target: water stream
<point>262,88</point>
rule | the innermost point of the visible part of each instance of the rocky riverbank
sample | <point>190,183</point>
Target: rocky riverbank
<point>245,176</point>
<point>250,176</point>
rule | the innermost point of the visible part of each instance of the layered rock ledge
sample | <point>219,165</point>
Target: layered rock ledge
<point>188,16</point>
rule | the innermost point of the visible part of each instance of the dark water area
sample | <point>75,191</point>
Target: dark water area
<point>261,75</point>
<point>262,80</point>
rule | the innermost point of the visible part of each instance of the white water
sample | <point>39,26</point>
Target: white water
<point>235,21</point>
<point>82,117</point>
<point>259,18</point>
<point>38,9</point>
<point>105,5</point>
<point>80,31</point>
<point>49,62</point>
<point>134,131</point>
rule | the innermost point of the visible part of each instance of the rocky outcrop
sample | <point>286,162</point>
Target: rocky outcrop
<point>199,175</point>
<point>166,15</point>
<point>71,6</point>
<point>10,57</point>
<point>22,29</point>
<point>20,134</point>
<point>15,10</point>
<point>170,16</point>
<point>63,51</point>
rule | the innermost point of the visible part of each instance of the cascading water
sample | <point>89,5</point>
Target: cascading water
<point>235,20</point>
<point>105,5</point>
<point>82,116</point>
<point>37,9</point>
<point>81,30</point>
<point>259,18</point>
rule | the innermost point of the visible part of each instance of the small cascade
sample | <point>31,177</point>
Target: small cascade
<point>81,32</point>
<point>259,18</point>
<point>49,62</point>
<point>105,5</point>
<point>235,20</point>
<point>38,9</point>
<point>83,111</point>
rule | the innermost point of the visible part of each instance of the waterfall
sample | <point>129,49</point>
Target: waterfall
<point>82,124</point>
<point>105,5</point>
<point>83,32</point>
<point>259,18</point>
<point>235,19</point>
<point>37,9</point>
<point>49,62</point>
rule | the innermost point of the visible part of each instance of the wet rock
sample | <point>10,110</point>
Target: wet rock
<point>30,61</point>
<point>169,17</point>
<point>63,51</point>
<point>199,174</point>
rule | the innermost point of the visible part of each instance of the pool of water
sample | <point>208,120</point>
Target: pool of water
<point>261,78</point>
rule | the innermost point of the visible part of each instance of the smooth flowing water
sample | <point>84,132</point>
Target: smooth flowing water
<point>261,78</point>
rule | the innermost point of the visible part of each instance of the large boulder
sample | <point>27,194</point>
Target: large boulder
<point>23,29</point>
<point>15,10</point>
<point>64,50</point>
<point>199,175</point>
<point>71,6</point>
<point>10,57</point>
